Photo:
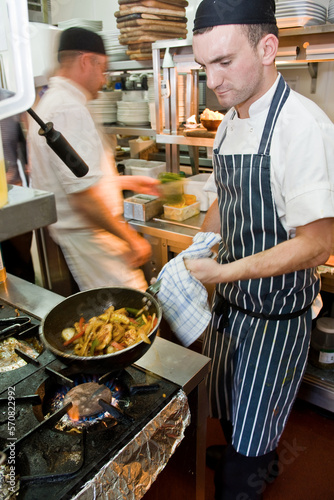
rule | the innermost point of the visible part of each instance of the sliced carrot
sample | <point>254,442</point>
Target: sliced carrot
<point>82,326</point>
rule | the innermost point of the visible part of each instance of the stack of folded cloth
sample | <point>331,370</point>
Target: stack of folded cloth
<point>142,22</point>
<point>184,299</point>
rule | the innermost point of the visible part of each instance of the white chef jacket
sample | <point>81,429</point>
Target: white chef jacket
<point>302,156</point>
<point>93,255</point>
<point>64,104</point>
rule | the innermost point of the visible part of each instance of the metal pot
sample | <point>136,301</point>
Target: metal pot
<point>92,303</point>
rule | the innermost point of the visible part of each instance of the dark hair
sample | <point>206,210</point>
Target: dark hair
<point>254,32</point>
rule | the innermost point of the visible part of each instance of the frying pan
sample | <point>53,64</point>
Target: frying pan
<point>91,303</point>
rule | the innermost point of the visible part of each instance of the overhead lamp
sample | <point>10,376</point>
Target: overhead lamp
<point>168,59</point>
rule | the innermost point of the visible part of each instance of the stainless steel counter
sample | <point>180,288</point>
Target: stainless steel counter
<point>159,226</point>
<point>173,362</point>
<point>27,209</point>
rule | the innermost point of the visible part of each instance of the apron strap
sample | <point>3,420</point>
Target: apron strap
<point>217,149</point>
<point>222,308</point>
<point>281,94</point>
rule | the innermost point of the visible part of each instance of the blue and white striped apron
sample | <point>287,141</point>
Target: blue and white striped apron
<point>257,360</point>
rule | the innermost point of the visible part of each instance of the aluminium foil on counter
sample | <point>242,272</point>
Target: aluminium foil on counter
<point>130,473</point>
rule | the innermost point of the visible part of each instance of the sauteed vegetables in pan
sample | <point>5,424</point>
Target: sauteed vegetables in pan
<point>112,331</point>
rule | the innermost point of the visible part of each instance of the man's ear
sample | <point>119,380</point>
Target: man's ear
<point>85,60</point>
<point>268,49</point>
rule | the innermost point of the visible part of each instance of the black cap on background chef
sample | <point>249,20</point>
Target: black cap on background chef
<point>219,12</point>
<point>81,40</point>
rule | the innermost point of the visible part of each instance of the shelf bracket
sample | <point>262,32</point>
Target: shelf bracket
<point>313,70</point>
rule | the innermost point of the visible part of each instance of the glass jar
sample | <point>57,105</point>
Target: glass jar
<point>322,344</point>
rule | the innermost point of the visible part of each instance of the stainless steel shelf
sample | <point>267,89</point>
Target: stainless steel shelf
<point>307,30</point>
<point>130,130</point>
<point>129,65</point>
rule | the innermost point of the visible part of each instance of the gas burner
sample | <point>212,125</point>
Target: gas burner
<point>97,403</point>
<point>85,400</point>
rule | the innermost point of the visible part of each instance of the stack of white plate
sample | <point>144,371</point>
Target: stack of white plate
<point>294,13</point>
<point>330,17</point>
<point>133,113</point>
<point>81,23</point>
<point>134,95</point>
<point>104,108</point>
<point>114,50</point>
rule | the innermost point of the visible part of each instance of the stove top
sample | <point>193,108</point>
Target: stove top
<point>50,458</point>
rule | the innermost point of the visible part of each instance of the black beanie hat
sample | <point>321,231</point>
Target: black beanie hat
<point>218,12</point>
<point>82,40</point>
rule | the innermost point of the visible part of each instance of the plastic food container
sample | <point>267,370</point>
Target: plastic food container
<point>322,344</point>
<point>143,167</point>
<point>195,185</point>
<point>180,214</point>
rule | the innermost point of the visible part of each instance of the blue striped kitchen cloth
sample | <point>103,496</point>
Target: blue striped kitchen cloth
<point>184,299</point>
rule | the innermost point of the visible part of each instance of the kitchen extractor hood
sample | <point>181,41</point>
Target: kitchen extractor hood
<point>43,43</point>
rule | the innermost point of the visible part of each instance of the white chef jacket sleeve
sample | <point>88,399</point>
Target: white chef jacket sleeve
<point>79,130</point>
<point>210,185</point>
<point>308,155</point>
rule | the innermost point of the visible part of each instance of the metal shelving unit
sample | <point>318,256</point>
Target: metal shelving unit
<point>121,67</point>
<point>124,130</point>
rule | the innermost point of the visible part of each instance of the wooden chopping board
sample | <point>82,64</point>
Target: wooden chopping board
<point>131,51</point>
<point>199,132</point>
<point>155,4</point>
<point>180,3</point>
<point>145,37</point>
<point>140,47</point>
<point>148,10</point>
<point>159,18</point>
<point>150,23</point>
<point>148,29</point>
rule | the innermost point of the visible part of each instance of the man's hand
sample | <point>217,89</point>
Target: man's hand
<point>140,184</point>
<point>139,253</point>
<point>205,270</point>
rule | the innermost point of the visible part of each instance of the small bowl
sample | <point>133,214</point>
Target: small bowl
<point>211,125</point>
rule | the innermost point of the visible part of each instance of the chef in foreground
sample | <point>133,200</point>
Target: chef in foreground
<point>273,170</point>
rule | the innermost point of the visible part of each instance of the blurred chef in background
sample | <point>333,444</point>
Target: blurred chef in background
<point>100,248</point>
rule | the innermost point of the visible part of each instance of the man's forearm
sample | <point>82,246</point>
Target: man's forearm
<point>310,248</point>
<point>92,205</point>
<point>211,222</point>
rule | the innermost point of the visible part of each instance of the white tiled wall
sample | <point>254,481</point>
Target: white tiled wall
<point>324,95</point>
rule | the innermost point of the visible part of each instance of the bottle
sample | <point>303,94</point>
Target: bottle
<point>3,275</point>
<point>3,181</point>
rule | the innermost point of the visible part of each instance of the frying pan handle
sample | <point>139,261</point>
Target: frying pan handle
<point>154,288</point>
